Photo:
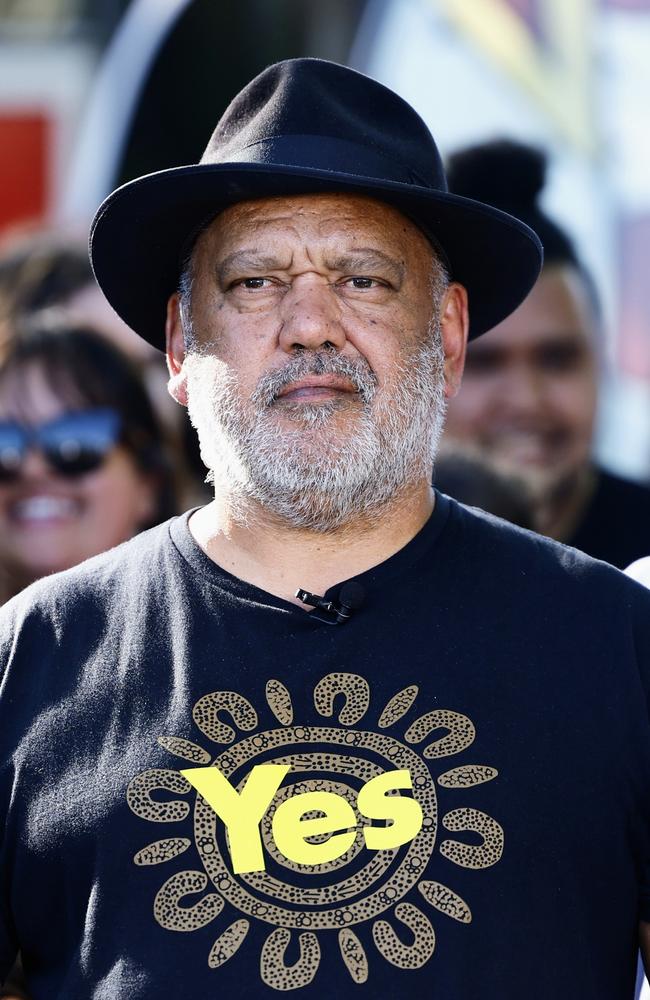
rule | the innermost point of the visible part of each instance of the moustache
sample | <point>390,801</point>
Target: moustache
<point>359,373</point>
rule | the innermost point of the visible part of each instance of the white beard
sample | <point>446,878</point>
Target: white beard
<point>330,469</point>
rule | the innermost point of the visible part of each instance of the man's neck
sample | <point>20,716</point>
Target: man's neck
<point>266,552</point>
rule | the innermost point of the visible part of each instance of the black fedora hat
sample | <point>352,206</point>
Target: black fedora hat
<point>307,126</point>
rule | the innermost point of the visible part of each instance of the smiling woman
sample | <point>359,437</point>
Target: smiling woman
<point>82,460</point>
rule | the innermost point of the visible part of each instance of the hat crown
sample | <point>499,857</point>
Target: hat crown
<point>313,114</point>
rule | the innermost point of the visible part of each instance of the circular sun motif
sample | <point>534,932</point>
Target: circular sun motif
<point>358,886</point>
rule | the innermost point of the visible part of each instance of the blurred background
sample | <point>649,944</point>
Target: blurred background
<point>95,92</point>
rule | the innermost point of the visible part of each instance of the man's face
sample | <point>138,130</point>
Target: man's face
<point>316,374</point>
<point>528,398</point>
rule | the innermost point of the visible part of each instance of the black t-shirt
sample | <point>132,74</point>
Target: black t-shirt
<point>615,525</point>
<point>505,674</point>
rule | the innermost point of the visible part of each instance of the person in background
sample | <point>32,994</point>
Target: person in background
<point>473,481</point>
<point>83,463</point>
<point>42,270</point>
<point>530,390</point>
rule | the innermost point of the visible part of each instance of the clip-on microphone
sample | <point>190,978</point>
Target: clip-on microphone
<point>350,599</point>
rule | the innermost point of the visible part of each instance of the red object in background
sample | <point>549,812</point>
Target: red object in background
<point>633,354</point>
<point>23,166</point>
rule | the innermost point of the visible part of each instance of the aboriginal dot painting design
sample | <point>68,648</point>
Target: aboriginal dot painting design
<point>338,750</point>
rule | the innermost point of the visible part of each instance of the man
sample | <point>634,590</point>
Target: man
<point>530,389</point>
<point>427,774</point>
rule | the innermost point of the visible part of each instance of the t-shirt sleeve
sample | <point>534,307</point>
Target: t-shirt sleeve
<point>8,936</point>
<point>8,946</point>
<point>640,603</point>
<point>644,898</point>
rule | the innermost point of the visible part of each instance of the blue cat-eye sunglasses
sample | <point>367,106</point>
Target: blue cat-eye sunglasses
<point>73,444</point>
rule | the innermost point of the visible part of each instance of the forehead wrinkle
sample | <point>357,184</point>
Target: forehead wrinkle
<point>319,229</point>
<point>359,258</point>
<point>365,257</point>
<point>252,260</point>
<point>247,219</point>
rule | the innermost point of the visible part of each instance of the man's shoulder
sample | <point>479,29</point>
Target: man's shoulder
<point>531,555</point>
<point>70,593</point>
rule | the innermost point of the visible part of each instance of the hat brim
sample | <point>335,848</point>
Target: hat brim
<point>141,230</point>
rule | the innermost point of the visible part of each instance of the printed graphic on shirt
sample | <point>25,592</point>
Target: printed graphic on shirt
<point>316,829</point>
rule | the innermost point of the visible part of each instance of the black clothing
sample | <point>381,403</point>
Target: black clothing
<point>507,674</point>
<point>615,526</point>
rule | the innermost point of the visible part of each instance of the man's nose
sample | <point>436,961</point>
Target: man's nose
<point>311,317</point>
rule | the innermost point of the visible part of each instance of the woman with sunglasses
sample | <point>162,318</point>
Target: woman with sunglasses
<point>83,466</point>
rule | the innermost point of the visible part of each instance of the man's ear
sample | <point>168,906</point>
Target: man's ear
<point>175,341</point>
<point>454,325</point>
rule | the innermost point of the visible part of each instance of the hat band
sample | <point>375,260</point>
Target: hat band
<point>323,152</point>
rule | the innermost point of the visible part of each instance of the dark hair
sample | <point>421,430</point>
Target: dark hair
<point>511,176</point>
<point>85,369</point>
<point>41,270</point>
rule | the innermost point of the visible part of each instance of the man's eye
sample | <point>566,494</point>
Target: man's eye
<point>357,281</point>
<point>252,283</point>
<point>249,284</point>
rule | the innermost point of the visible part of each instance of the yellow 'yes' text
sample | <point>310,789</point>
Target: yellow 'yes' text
<point>241,813</point>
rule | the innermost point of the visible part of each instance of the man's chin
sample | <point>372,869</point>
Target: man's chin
<point>324,413</point>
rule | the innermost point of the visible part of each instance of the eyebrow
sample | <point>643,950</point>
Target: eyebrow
<point>359,259</point>
<point>367,258</point>
<point>248,260</point>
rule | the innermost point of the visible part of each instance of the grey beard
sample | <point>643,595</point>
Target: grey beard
<point>320,476</point>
